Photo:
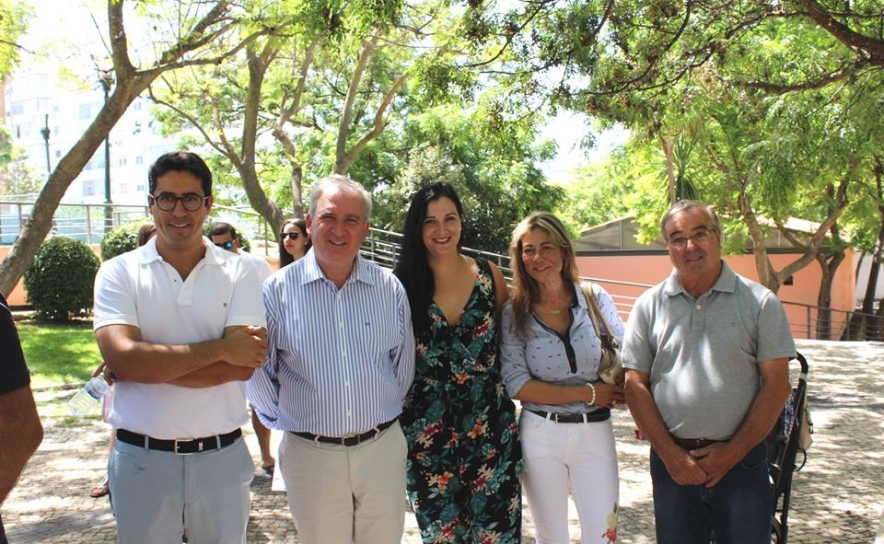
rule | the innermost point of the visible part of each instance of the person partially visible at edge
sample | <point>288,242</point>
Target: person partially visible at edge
<point>224,235</point>
<point>20,429</point>
<point>145,233</point>
<point>339,363</point>
<point>293,241</point>
<point>550,357</point>
<point>181,325</point>
<point>464,460</point>
<point>706,354</point>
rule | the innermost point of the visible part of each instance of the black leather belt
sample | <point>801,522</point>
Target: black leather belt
<point>181,447</point>
<point>591,417</point>
<point>349,440</point>
<point>694,443</point>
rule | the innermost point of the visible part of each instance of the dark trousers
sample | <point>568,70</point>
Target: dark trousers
<point>737,511</point>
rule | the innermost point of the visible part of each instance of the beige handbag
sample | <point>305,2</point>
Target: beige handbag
<point>610,365</point>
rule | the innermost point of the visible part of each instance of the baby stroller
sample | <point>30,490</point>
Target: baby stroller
<point>790,435</point>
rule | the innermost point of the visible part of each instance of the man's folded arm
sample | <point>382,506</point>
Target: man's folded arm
<point>132,359</point>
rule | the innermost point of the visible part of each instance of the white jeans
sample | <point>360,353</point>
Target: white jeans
<point>581,455</point>
<point>343,495</point>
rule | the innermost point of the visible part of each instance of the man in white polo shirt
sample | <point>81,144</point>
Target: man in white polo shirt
<point>181,324</point>
<point>224,236</point>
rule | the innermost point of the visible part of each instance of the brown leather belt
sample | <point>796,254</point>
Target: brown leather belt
<point>694,443</point>
<point>350,440</point>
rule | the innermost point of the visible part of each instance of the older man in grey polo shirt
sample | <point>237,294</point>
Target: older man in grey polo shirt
<point>707,355</point>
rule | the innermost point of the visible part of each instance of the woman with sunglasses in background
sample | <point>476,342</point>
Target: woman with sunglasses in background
<point>293,241</point>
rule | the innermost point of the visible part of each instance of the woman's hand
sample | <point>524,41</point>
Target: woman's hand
<point>606,395</point>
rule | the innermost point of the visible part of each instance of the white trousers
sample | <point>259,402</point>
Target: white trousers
<point>581,456</point>
<point>344,495</point>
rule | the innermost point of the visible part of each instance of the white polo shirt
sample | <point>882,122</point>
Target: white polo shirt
<point>260,264</point>
<point>140,289</point>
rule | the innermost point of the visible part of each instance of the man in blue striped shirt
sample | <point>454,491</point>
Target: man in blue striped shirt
<point>340,360</point>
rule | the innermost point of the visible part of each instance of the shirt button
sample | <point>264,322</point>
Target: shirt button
<point>699,307</point>
<point>347,383</point>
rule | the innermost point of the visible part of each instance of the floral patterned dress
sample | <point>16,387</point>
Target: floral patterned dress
<point>464,459</point>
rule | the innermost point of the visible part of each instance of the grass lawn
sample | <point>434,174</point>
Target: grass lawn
<point>59,354</point>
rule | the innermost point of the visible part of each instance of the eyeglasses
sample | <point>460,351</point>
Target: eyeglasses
<point>290,235</point>
<point>700,236</point>
<point>167,201</point>
<point>225,245</point>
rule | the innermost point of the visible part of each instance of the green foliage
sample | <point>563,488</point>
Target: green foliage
<point>17,179</point>
<point>59,281</point>
<point>14,18</point>
<point>496,180</point>
<point>120,240</point>
<point>597,193</point>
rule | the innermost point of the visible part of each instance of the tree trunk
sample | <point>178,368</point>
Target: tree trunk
<point>667,145</point>
<point>828,266</point>
<point>297,189</point>
<point>69,167</point>
<point>269,210</point>
<point>875,266</point>
<point>874,272</point>
<point>214,25</point>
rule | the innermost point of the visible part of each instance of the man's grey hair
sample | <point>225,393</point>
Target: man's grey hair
<point>341,183</point>
<point>688,205</point>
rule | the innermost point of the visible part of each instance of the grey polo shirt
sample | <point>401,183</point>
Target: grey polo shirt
<point>702,354</point>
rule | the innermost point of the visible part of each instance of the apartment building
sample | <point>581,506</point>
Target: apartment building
<point>46,116</point>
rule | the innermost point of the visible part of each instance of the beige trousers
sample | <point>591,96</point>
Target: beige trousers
<point>346,495</point>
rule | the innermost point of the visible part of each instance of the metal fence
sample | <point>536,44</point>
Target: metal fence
<point>85,222</point>
<point>806,321</point>
<point>89,223</point>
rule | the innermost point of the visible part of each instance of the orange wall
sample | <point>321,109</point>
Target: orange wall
<point>17,296</point>
<point>652,269</point>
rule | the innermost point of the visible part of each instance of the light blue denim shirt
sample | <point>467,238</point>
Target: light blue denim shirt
<point>544,354</point>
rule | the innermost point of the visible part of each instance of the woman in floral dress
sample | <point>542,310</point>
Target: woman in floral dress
<point>464,458</point>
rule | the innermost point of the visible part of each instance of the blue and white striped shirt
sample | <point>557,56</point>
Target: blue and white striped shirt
<point>339,361</point>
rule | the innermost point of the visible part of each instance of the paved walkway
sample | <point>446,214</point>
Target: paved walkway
<point>837,497</point>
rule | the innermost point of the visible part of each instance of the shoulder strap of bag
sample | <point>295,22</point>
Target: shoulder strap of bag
<point>595,314</point>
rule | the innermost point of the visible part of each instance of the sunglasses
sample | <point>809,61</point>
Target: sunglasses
<point>225,245</point>
<point>290,235</point>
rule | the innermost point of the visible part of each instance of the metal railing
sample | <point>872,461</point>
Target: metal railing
<point>90,222</point>
<point>806,321</point>
<point>87,223</point>
<point>820,323</point>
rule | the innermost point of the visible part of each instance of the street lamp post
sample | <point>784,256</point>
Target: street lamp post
<point>45,132</point>
<point>107,79</point>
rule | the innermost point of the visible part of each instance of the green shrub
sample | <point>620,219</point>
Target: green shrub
<point>60,279</point>
<point>120,240</point>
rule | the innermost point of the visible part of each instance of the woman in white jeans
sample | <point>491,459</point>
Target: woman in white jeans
<point>549,361</point>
